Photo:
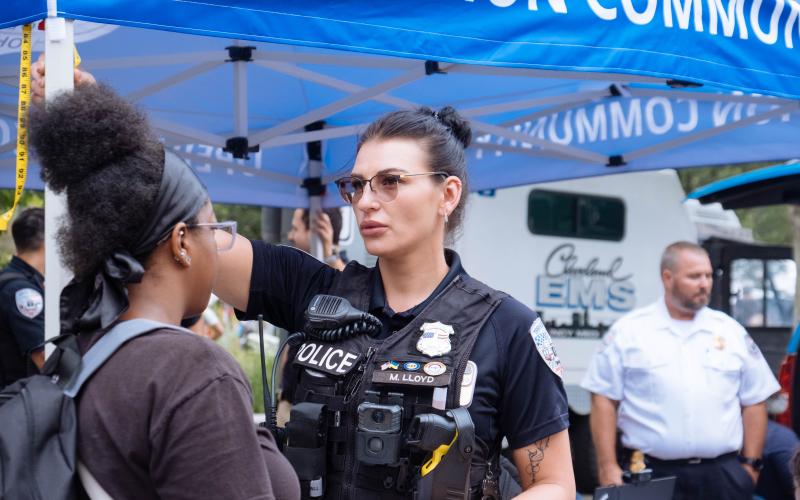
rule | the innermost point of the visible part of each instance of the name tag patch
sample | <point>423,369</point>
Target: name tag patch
<point>327,358</point>
<point>410,378</point>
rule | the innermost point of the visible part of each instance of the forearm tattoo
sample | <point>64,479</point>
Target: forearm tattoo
<point>535,457</point>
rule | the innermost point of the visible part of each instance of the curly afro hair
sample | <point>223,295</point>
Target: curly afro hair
<point>99,149</point>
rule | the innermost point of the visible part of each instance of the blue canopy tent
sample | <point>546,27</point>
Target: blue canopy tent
<point>554,90</point>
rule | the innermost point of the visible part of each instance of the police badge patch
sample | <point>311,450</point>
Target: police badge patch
<point>544,344</point>
<point>29,302</point>
<point>435,339</point>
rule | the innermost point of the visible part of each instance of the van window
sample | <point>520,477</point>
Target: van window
<point>762,292</point>
<point>574,215</point>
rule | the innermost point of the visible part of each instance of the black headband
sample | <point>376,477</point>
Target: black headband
<point>97,301</point>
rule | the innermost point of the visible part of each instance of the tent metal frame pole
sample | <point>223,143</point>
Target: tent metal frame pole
<point>329,81</point>
<point>240,111</point>
<point>553,74</point>
<point>174,80</point>
<point>711,132</point>
<point>360,61</point>
<point>317,135</point>
<point>699,96</point>
<point>146,61</point>
<point>9,110</point>
<point>235,167</point>
<point>178,130</point>
<point>545,112</point>
<point>567,151</point>
<point>538,153</point>
<point>503,107</point>
<point>492,109</point>
<point>315,207</point>
<point>337,106</point>
<point>59,43</point>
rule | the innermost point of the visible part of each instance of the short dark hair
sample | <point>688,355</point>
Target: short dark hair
<point>670,256</point>
<point>443,134</point>
<point>335,216</point>
<point>28,230</point>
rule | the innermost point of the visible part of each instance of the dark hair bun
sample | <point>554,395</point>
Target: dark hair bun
<point>457,124</point>
<point>81,132</point>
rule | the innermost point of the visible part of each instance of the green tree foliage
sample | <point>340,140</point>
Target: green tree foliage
<point>770,225</point>
<point>247,217</point>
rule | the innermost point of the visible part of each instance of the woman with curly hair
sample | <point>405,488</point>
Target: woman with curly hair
<point>169,415</point>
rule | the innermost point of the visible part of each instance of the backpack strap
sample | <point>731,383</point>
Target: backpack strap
<point>108,344</point>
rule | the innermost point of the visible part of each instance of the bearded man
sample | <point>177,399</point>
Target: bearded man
<point>686,386</point>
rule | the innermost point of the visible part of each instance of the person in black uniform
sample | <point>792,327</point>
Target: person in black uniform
<point>445,341</point>
<point>22,300</point>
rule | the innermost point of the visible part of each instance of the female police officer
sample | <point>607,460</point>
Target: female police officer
<point>169,414</point>
<point>407,191</point>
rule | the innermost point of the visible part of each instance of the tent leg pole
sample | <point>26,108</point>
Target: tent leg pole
<point>315,207</point>
<point>59,63</point>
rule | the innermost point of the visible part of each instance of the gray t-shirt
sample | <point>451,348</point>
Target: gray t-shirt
<point>170,415</point>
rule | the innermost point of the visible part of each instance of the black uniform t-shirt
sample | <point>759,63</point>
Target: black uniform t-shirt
<point>517,394</point>
<point>21,319</point>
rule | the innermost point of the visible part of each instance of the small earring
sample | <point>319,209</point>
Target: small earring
<point>445,218</point>
<point>187,259</point>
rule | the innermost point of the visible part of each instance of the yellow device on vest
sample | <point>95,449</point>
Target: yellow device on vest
<point>436,456</point>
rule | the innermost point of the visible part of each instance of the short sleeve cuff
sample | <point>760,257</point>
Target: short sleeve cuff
<point>255,284</point>
<point>760,396</point>
<point>539,432</point>
<point>596,387</point>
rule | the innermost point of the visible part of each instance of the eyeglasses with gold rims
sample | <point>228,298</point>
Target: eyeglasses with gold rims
<point>224,233</point>
<point>385,185</point>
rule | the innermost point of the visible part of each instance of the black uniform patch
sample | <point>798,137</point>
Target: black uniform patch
<point>326,358</point>
<point>406,378</point>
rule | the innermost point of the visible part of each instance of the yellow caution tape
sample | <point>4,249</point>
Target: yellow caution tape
<point>436,456</point>
<point>22,122</point>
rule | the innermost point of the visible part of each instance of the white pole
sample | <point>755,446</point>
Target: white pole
<point>240,116</point>
<point>59,78</point>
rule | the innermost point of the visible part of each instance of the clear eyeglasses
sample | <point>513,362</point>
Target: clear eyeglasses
<point>224,233</point>
<point>385,186</point>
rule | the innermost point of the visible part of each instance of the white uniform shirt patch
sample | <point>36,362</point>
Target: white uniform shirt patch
<point>752,348</point>
<point>544,344</point>
<point>29,302</point>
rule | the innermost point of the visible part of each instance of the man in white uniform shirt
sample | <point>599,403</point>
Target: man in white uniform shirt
<point>685,384</point>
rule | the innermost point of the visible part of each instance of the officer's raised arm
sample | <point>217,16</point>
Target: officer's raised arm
<point>233,279</point>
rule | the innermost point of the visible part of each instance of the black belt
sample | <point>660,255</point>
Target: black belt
<point>649,459</point>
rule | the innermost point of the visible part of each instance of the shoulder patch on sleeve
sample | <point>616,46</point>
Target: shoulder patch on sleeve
<point>752,348</point>
<point>29,302</point>
<point>544,344</point>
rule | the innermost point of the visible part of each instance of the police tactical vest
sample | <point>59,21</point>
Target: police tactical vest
<point>411,367</point>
